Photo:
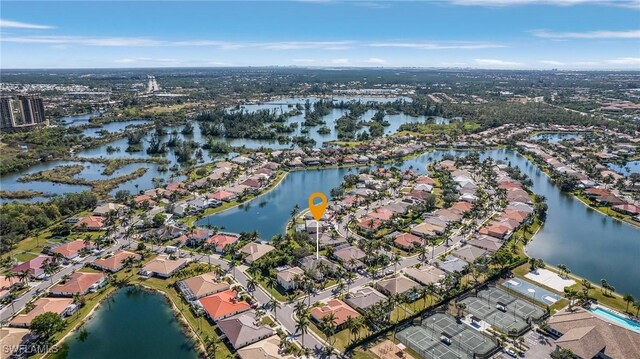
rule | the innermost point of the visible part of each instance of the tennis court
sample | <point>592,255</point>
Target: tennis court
<point>427,338</point>
<point>513,314</point>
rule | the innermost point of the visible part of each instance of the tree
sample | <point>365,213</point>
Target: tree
<point>211,345</point>
<point>636,305</point>
<point>46,325</point>
<point>275,305</point>
<point>629,299</point>
<point>302,324</point>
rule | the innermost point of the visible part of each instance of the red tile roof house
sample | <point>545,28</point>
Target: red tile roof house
<point>407,241</point>
<point>221,240</point>
<point>252,182</point>
<point>90,223</point>
<point>61,306</point>
<point>627,208</point>
<point>142,199</point>
<point>341,312</point>
<point>381,214</point>
<point>594,192</point>
<point>223,195</point>
<point>115,262</point>
<point>369,224</point>
<point>496,230</point>
<point>71,250</point>
<point>425,180</point>
<point>79,283</point>
<point>223,305</point>
<point>35,266</point>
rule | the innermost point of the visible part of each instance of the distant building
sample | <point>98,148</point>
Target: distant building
<point>24,111</point>
<point>152,84</point>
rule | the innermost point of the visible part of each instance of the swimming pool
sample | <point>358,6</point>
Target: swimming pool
<point>532,291</point>
<point>615,318</point>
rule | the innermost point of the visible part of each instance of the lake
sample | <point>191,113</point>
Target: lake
<point>134,323</point>
<point>574,234</point>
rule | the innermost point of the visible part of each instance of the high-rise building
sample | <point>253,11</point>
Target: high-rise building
<point>152,84</point>
<point>23,111</point>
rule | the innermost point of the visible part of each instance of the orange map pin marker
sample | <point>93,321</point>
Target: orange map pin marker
<point>317,210</point>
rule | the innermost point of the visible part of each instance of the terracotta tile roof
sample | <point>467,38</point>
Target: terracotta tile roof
<point>221,195</point>
<point>370,223</point>
<point>43,305</point>
<point>407,240</point>
<point>92,222</point>
<point>381,214</point>
<point>79,283</point>
<point>221,240</point>
<point>114,263</point>
<point>223,304</point>
<point>341,312</point>
<point>71,249</point>
<point>462,206</point>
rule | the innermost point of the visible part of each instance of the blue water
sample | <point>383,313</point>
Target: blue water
<point>614,318</point>
<point>626,169</point>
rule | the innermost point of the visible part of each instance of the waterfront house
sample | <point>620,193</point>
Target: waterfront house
<point>244,329</point>
<point>144,200</point>
<point>265,349</point>
<point>220,240</point>
<point>340,310</point>
<point>12,341</point>
<point>60,306</point>
<point>34,266</point>
<point>255,251</point>
<point>201,286</point>
<point>364,298</point>
<point>627,208</point>
<point>223,195</point>
<point>79,283</point>
<point>287,277</point>
<point>223,305</point>
<point>163,266</point>
<point>116,261</point>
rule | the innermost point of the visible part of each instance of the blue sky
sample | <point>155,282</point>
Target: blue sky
<point>510,34</point>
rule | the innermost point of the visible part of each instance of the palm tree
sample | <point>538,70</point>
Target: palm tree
<point>299,308</point>
<point>275,305</point>
<point>10,275</point>
<point>11,299</point>
<point>232,266</point>
<point>636,305</point>
<point>211,346</point>
<point>251,284</point>
<point>302,324</point>
<point>586,287</point>
<point>629,299</point>
<point>396,260</point>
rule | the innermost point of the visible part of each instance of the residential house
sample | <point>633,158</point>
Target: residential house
<point>220,240</point>
<point>79,283</point>
<point>397,284</point>
<point>311,266</point>
<point>364,298</point>
<point>34,266</point>
<point>408,241</point>
<point>426,274</point>
<point>90,223</point>
<point>60,306</point>
<point>104,209</point>
<point>350,257</point>
<point>223,195</point>
<point>12,341</point>
<point>201,286</point>
<point>588,336</point>
<point>223,305</point>
<point>427,230</point>
<point>265,349</point>
<point>340,310</point>
<point>287,277</point>
<point>116,261</point>
<point>163,266</point>
<point>244,329</point>
<point>71,250</point>
<point>450,264</point>
<point>255,251</point>
<point>470,253</point>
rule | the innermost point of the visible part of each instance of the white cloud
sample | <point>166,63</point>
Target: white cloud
<point>497,63</point>
<point>340,61</point>
<point>630,34</point>
<point>83,41</point>
<point>552,62</point>
<point>437,46</point>
<point>376,61</point>
<point>148,61</point>
<point>22,25</point>
<point>625,61</point>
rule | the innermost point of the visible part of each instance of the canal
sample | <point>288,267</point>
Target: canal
<point>133,323</point>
